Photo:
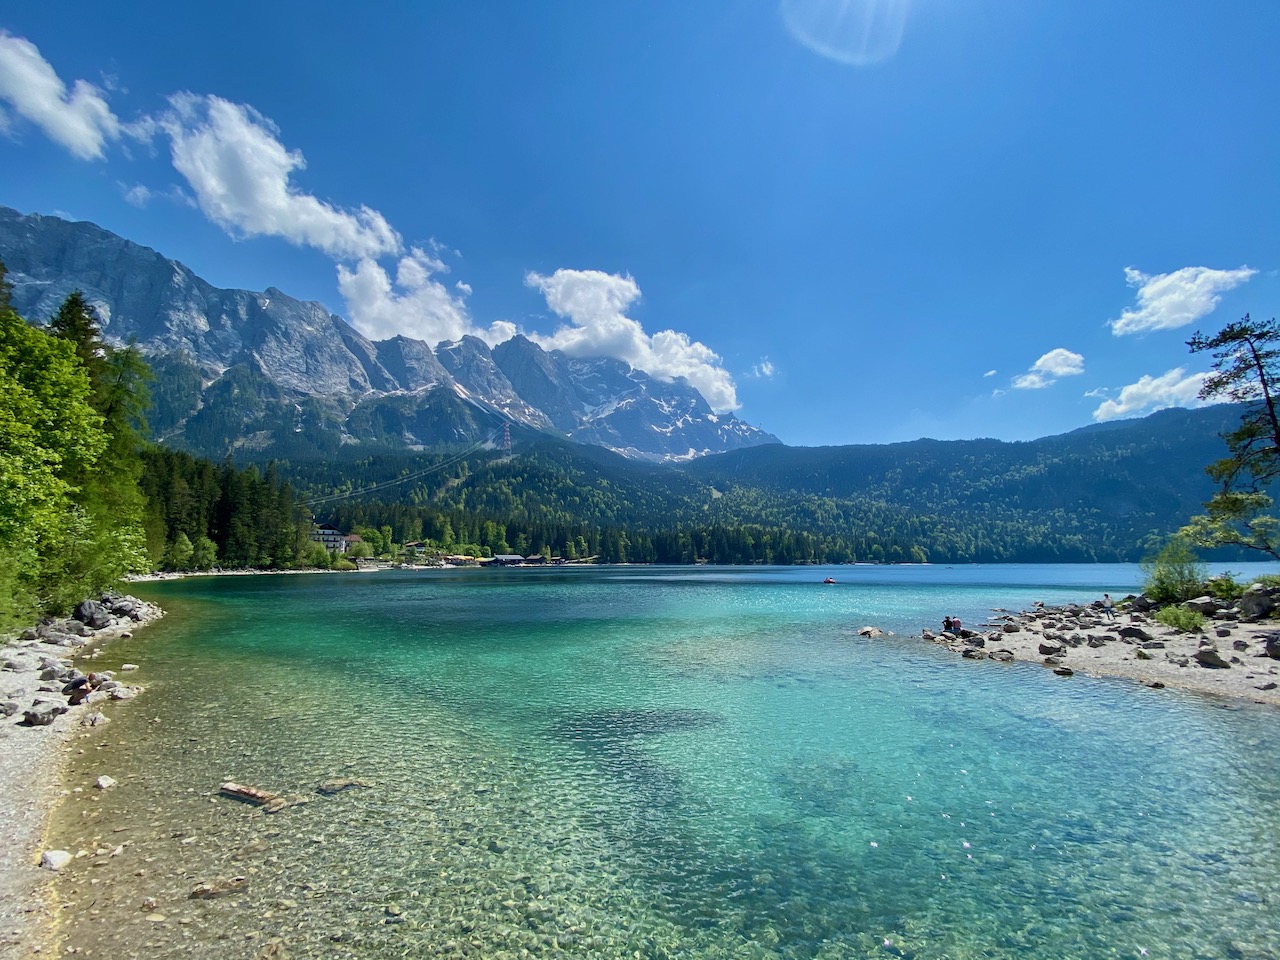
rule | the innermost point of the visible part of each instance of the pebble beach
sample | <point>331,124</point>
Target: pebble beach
<point>38,725</point>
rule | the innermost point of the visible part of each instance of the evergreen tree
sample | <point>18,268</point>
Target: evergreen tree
<point>1246,369</point>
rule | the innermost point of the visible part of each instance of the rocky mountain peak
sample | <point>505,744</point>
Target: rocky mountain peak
<point>317,381</point>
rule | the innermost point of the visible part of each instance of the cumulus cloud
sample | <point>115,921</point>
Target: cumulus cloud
<point>79,119</point>
<point>1176,388</point>
<point>240,173</point>
<point>595,305</point>
<point>1046,371</point>
<point>137,195</point>
<point>415,304</point>
<point>1170,300</point>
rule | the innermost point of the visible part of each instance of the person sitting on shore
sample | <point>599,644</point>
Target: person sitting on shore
<point>956,626</point>
<point>947,624</point>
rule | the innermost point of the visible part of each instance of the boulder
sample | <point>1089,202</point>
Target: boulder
<point>9,707</point>
<point>1096,641</point>
<point>92,614</point>
<point>871,632</point>
<point>104,782</point>
<point>43,713</point>
<point>1004,656</point>
<point>1271,646</point>
<point>1257,602</point>
<point>1050,648</point>
<point>1011,628</point>
<point>1141,604</point>
<point>1208,656</point>
<point>1132,633</point>
<point>1205,605</point>
<point>1240,645</point>
<point>1064,671</point>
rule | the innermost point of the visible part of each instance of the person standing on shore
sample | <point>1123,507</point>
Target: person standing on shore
<point>1108,606</point>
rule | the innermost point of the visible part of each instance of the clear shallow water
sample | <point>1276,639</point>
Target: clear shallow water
<point>662,762</point>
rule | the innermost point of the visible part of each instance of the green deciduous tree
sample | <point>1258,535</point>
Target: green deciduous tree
<point>50,437</point>
<point>1246,367</point>
<point>113,542</point>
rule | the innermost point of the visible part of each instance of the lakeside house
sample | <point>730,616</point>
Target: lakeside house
<point>330,537</point>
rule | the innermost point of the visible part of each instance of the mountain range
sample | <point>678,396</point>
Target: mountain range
<point>266,375</point>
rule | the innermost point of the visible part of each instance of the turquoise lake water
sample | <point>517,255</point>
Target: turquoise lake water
<point>661,762</point>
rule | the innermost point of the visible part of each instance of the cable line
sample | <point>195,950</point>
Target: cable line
<point>435,468</point>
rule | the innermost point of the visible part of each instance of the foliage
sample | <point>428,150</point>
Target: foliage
<point>1225,587</point>
<point>1181,618</point>
<point>1102,493</point>
<point>1246,366</point>
<point>1174,574</point>
<point>50,439</point>
<point>110,542</point>
<point>225,515</point>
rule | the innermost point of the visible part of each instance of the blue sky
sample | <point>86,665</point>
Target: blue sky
<point>849,221</point>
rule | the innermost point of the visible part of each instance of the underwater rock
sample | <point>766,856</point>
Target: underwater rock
<point>212,889</point>
<point>338,784</point>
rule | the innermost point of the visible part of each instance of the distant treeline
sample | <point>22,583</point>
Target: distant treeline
<point>1100,495</point>
<point>199,514</point>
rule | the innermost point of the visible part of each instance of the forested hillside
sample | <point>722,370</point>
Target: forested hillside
<point>1104,493</point>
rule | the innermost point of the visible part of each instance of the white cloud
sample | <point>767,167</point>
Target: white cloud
<point>415,304</point>
<point>1174,389</point>
<point>1170,300</point>
<point>990,373</point>
<point>79,120</point>
<point>763,370</point>
<point>240,172</point>
<point>1046,371</point>
<point>595,303</point>
<point>137,195</point>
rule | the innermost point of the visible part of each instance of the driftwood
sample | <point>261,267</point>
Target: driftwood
<point>248,794</point>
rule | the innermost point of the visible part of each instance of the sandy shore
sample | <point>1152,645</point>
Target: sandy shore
<point>1158,656</point>
<point>32,758</point>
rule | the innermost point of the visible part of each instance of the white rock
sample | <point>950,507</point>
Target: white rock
<point>55,860</point>
<point>104,782</point>
<point>128,666</point>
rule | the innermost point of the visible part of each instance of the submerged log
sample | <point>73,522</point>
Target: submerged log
<point>247,794</point>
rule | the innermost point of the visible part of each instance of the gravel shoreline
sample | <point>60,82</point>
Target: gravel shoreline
<point>39,718</point>
<point>1231,657</point>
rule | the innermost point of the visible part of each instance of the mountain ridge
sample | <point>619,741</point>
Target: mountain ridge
<point>299,354</point>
